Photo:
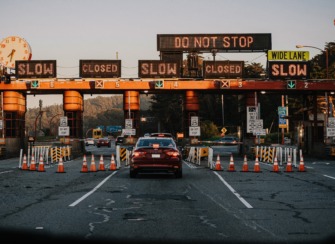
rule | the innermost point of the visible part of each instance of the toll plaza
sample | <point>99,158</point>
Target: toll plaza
<point>288,73</point>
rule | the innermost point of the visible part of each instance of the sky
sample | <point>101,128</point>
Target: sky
<point>70,30</point>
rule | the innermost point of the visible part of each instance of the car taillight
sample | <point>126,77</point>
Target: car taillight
<point>172,153</point>
<point>139,154</point>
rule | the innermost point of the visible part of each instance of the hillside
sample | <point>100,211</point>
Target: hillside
<point>100,110</point>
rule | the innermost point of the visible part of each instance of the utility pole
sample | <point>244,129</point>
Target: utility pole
<point>40,104</point>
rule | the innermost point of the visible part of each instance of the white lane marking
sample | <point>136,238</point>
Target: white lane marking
<point>6,171</point>
<point>329,177</point>
<point>92,191</point>
<point>190,165</point>
<point>233,191</point>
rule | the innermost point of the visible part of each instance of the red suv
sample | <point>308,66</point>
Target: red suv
<point>104,142</point>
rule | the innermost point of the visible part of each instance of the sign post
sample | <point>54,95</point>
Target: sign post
<point>63,129</point>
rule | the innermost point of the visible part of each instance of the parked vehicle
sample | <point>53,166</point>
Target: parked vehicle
<point>228,140</point>
<point>104,141</point>
<point>89,142</point>
<point>155,154</point>
<point>119,140</point>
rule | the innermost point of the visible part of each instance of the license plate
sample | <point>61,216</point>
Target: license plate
<point>156,155</point>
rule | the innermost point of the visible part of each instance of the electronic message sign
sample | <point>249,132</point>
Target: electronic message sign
<point>288,55</point>
<point>158,69</point>
<point>99,68</point>
<point>288,70</point>
<point>223,69</point>
<point>35,69</point>
<point>209,42</point>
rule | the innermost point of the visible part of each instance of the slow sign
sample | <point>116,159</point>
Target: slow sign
<point>36,69</point>
<point>158,68</point>
<point>288,70</point>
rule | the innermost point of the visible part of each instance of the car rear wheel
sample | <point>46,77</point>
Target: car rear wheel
<point>132,174</point>
<point>179,174</point>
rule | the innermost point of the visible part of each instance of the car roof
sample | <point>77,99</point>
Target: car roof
<point>160,134</point>
<point>154,137</point>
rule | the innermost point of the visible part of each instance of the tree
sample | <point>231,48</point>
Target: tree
<point>208,129</point>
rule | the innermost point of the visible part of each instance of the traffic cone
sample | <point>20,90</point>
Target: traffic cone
<point>112,166</point>
<point>101,164</point>
<point>275,165</point>
<point>60,168</point>
<point>218,164</point>
<point>257,168</point>
<point>32,163</point>
<point>84,168</point>
<point>245,164</point>
<point>41,164</point>
<point>231,167</point>
<point>92,166</point>
<point>289,165</point>
<point>24,163</point>
<point>301,165</point>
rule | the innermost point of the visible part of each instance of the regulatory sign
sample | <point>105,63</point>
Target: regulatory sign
<point>63,131</point>
<point>259,132</point>
<point>194,131</point>
<point>129,132</point>
<point>330,132</point>
<point>331,121</point>
<point>63,121</point>
<point>194,120</point>
<point>251,118</point>
<point>129,123</point>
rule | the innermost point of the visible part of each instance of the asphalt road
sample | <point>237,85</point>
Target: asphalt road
<point>204,206</point>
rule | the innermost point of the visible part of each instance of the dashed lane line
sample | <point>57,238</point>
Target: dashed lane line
<point>92,191</point>
<point>233,191</point>
<point>329,177</point>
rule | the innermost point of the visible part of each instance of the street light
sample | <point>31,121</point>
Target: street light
<point>326,52</point>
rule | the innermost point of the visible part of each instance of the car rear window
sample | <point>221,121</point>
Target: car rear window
<point>150,142</point>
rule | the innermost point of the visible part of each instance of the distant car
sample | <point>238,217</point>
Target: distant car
<point>104,141</point>
<point>228,140</point>
<point>89,142</point>
<point>119,140</point>
<point>155,154</point>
